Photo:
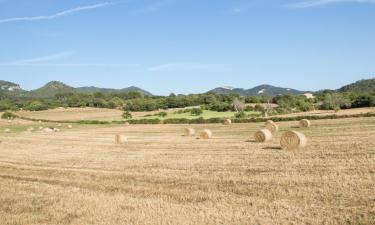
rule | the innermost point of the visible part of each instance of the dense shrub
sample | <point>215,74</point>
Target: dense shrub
<point>8,115</point>
<point>196,111</point>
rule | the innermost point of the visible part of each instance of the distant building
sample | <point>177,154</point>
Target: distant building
<point>308,95</point>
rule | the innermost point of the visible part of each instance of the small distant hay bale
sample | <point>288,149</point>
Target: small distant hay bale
<point>127,124</point>
<point>7,130</point>
<point>39,121</point>
<point>70,126</point>
<point>120,139</point>
<point>30,129</point>
<point>9,121</point>
<point>269,121</point>
<point>206,134</point>
<point>41,128</point>
<point>48,130</point>
<point>263,135</point>
<point>59,125</point>
<point>292,140</point>
<point>305,123</point>
<point>189,131</point>
<point>227,122</point>
<point>272,127</point>
<point>56,129</point>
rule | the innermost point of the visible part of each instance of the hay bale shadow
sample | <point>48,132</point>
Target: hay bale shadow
<point>272,148</point>
<point>295,127</point>
<point>251,141</point>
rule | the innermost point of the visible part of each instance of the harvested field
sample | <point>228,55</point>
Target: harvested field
<point>80,176</point>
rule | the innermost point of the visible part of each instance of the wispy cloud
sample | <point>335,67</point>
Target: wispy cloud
<point>59,14</point>
<point>315,3</point>
<point>49,61</point>
<point>184,66</point>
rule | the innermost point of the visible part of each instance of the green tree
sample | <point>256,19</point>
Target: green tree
<point>127,115</point>
<point>196,111</point>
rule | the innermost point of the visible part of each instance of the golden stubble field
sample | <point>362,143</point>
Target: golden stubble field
<point>81,177</point>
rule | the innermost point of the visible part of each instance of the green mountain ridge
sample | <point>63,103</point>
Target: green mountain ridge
<point>361,86</point>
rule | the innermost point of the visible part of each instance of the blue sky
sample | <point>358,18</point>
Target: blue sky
<point>187,46</point>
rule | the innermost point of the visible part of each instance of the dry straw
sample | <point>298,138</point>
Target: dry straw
<point>271,126</point>
<point>30,129</point>
<point>304,123</point>
<point>189,131</point>
<point>206,134</point>
<point>292,140</point>
<point>263,135</point>
<point>227,122</point>
<point>120,139</point>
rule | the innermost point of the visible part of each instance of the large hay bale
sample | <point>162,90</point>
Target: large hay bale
<point>292,140</point>
<point>120,139</point>
<point>263,135</point>
<point>206,134</point>
<point>304,123</point>
<point>7,130</point>
<point>70,126</point>
<point>227,122</point>
<point>189,131</point>
<point>272,127</point>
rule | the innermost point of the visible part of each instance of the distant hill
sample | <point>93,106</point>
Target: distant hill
<point>50,90</point>
<point>363,86</point>
<point>261,90</point>
<point>11,89</point>
<point>56,87</point>
<point>111,90</point>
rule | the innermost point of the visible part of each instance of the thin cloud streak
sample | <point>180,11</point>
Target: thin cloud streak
<point>45,61</point>
<point>316,3</point>
<point>59,14</point>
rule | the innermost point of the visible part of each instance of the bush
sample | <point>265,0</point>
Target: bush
<point>36,106</point>
<point>161,114</point>
<point>127,115</point>
<point>7,115</point>
<point>196,111</point>
<point>240,115</point>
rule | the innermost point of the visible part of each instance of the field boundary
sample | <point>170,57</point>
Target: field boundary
<point>201,120</point>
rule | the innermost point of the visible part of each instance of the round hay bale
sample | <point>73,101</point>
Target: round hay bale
<point>56,129</point>
<point>189,131</point>
<point>292,140</point>
<point>127,124</point>
<point>70,126</point>
<point>272,127</point>
<point>39,121</point>
<point>41,128</point>
<point>7,130</point>
<point>227,122</point>
<point>120,139</point>
<point>48,130</point>
<point>263,135</point>
<point>206,134</point>
<point>59,125</point>
<point>269,121</point>
<point>304,123</point>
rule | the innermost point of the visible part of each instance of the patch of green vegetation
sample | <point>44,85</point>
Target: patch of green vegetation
<point>206,114</point>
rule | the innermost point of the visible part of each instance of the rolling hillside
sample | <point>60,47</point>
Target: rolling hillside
<point>265,90</point>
